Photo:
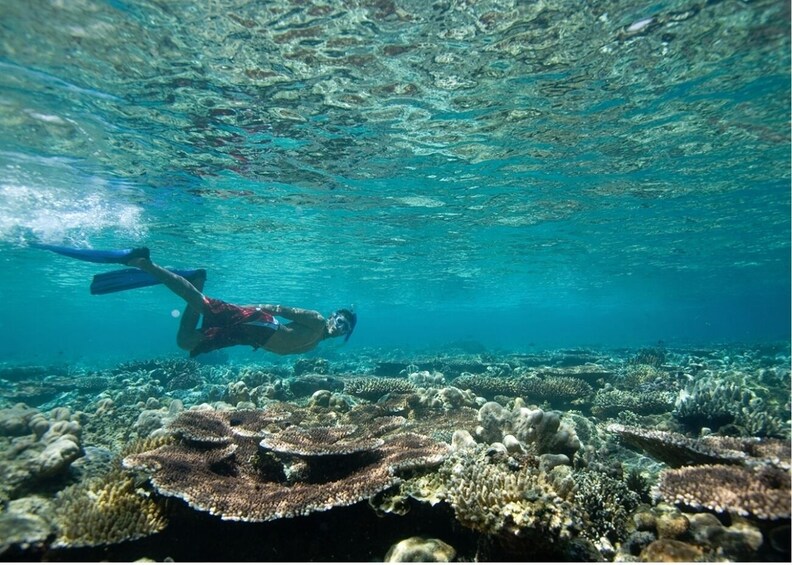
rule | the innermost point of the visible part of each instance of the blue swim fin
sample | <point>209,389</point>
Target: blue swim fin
<point>97,255</point>
<point>127,279</point>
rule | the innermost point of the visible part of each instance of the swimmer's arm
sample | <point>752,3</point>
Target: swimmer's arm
<point>299,315</point>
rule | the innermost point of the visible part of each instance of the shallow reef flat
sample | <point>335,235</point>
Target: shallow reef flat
<point>653,454</point>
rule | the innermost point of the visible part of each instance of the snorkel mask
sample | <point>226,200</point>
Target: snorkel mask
<point>346,320</point>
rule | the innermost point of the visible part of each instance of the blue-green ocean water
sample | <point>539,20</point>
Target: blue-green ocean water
<point>517,174</point>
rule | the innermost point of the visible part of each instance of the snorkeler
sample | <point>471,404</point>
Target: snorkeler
<point>224,324</point>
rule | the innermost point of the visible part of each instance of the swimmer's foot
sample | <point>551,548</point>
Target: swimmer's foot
<point>137,257</point>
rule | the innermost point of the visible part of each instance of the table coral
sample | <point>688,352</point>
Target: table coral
<point>763,492</point>
<point>260,476</point>
<point>372,388</point>
<point>611,402</point>
<point>677,450</point>
<point>556,390</point>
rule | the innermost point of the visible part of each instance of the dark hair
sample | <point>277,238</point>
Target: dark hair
<point>349,315</point>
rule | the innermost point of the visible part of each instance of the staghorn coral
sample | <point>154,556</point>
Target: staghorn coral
<point>762,492</point>
<point>105,511</point>
<point>289,474</point>
<point>756,419</point>
<point>372,388</point>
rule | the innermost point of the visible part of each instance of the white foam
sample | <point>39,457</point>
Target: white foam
<point>52,214</point>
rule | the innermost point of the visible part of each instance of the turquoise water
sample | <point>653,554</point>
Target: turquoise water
<point>516,174</point>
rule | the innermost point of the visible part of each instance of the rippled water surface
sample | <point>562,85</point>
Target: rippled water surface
<point>504,171</point>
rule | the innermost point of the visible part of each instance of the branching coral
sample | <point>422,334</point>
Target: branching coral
<point>608,503</point>
<point>526,503</point>
<point>726,403</point>
<point>105,511</point>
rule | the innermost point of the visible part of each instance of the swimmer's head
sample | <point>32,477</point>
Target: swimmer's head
<point>341,322</point>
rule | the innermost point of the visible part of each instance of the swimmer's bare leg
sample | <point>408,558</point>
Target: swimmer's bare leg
<point>188,336</point>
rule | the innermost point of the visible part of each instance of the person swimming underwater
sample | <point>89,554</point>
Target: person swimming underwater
<point>226,325</point>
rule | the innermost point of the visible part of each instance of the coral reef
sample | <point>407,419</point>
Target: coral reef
<point>607,502</point>
<point>107,510</point>
<point>372,388</point>
<point>444,399</point>
<point>307,384</point>
<point>45,446</point>
<point>523,504</point>
<point>558,391</point>
<point>725,402</point>
<point>532,471</point>
<point>610,402</point>
<point>590,371</point>
<point>762,492</point>
<point>651,356</point>
<point>227,467</point>
<point>543,431</point>
<point>488,387</point>
<point>420,550</point>
<point>317,366</point>
<point>25,524</point>
<point>671,551</point>
<point>677,450</point>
